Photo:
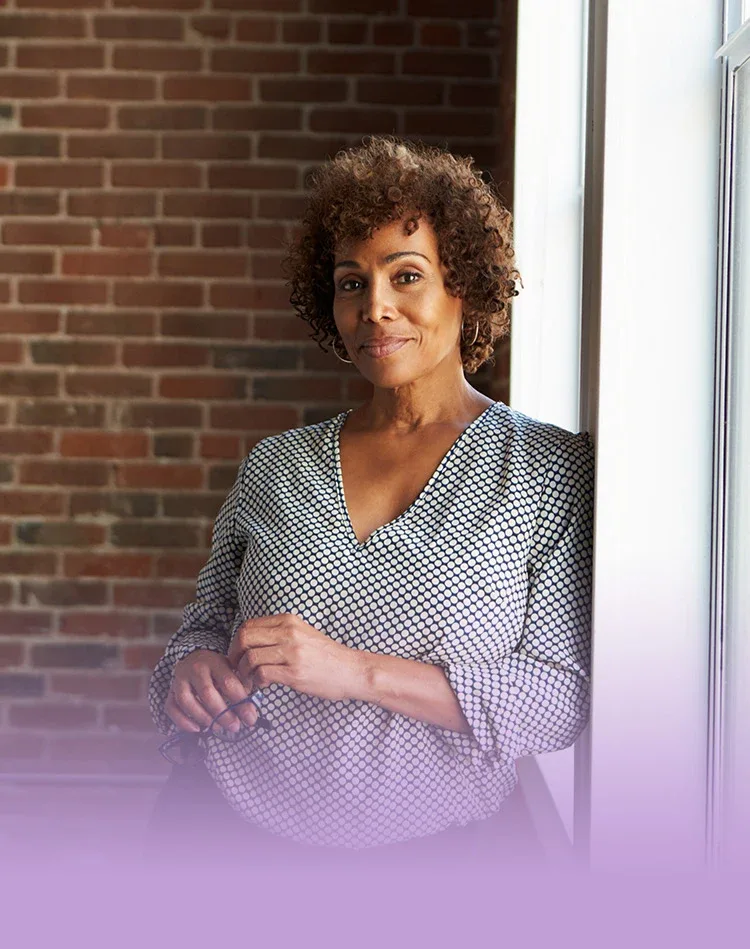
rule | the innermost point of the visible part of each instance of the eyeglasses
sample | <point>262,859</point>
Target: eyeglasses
<point>191,747</point>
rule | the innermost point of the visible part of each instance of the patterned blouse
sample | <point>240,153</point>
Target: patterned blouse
<point>486,574</point>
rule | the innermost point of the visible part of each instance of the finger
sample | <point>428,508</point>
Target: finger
<point>172,710</point>
<point>256,631</point>
<point>262,656</point>
<point>205,700</point>
<point>231,687</point>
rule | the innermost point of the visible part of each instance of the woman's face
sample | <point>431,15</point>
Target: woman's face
<point>391,308</point>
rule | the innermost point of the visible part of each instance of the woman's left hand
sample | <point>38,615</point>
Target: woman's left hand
<point>284,648</point>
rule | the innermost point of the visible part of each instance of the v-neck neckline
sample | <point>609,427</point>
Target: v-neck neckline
<point>339,421</point>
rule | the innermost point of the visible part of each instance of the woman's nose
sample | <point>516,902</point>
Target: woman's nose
<point>377,301</point>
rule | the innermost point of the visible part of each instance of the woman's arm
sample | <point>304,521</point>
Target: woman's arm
<point>410,687</point>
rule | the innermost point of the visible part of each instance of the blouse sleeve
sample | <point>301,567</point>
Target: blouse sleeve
<point>208,622</point>
<point>537,699</point>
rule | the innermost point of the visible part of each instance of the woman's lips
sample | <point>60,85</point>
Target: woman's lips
<point>378,350</point>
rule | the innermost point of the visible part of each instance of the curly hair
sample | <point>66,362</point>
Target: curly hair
<point>383,180</point>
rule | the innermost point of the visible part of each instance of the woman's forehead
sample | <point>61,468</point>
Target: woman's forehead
<point>392,237</point>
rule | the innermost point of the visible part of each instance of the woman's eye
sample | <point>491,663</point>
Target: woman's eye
<point>410,273</point>
<point>346,285</point>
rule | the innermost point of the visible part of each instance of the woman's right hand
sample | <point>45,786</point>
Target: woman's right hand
<point>203,684</point>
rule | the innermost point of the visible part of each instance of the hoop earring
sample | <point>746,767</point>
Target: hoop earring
<point>335,351</point>
<point>476,333</point>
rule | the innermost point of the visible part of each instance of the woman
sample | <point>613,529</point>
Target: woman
<point>407,584</point>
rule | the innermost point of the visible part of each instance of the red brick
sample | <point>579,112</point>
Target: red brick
<point>29,145</point>
<point>160,476</point>
<point>11,654</point>
<point>121,323</point>
<point>475,95</point>
<point>64,116</point>
<point>239,60</point>
<point>267,267</point>
<point>301,30</point>
<point>400,92</point>
<point>256,30</point>
<point>6,534</point>
<point>353,120</point>
<point>47,232</point>
<point>120,263</point>
<point>157,58</point>
<point>179,565</point>
<point>158,294</point>
<point>64,175</point>
<point>208,205</point>
<point>206,147</point>
<point>103,444</point>
<point>26,262</point>
<point>484,9</point>
<point>220,447</point>
<point>157,117</point>
<point>28,204</point>
<point>156,175</point>
<point>141,657</point>
<point>60,534</point>
<point>174,235</point>
<point>164,354</point>
<point>141,27</point>
<point>63,292</point>
<point>338,62</point>
<point>212,27</point>
<point>20,622</point>
<point>22,382</point>
<point>48,26</point>
<point>38,503</point>
<point>458,123</point>
<point>251,296</point>
<point>97,685</point>
<point>114,385</point>
<point>354,6</point>
<point>21,747</point>
<point>60,414</point>
<point>302,90</point>
<point>161,415</point>
<point>125,235</point>
<point>112,204</point>
<point>297,388</point>
<point>272,177</point>
<point>294,148</point>
<point>51,715</point>
<point>462,65</point>
<point>63,593</point>
<point>203,264</point>
<point>106,565</point>
<point>29,86</point>
<point>203,387</point>
<point>25,442</point>
<point>241,418</point>
<point>152,595</point>
<point>257,118</point>
<point>440,34</point>
<point>222,235</point>
<point>22,563</point>
<point>111,146</point>
<point>120,88</point>
<point>393,33</point>
<point>11,351</point>
<point>281,328</point>
<point>207,88</point>
<point>128,718</point>
<point>204,326</point>
<point>70,56</point>
<point>72,352</point>
<point>64,473</point>
<point>351,32</point>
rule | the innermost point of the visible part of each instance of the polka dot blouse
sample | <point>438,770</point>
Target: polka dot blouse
<point>487,574</point>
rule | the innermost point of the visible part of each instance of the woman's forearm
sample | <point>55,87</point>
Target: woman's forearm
<point>410,687</point>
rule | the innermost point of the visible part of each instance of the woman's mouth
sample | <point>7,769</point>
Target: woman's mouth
<point>384,348</point>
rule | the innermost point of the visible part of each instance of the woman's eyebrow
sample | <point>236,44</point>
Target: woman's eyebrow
<point>388,259</point>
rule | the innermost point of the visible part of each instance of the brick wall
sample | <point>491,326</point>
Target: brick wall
<point>153,155</point>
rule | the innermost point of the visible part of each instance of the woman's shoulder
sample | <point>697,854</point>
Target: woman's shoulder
<point>538,440</point>
<point>292,443</point>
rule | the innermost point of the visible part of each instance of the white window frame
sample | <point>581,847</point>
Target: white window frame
<point>637,372</point>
